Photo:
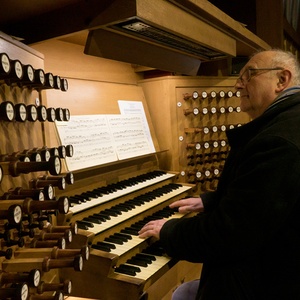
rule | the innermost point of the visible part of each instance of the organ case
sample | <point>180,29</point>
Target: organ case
<point>164,102</point>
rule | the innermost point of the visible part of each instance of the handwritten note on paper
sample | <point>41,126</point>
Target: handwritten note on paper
<point>129,136</point>
<point>91,139</point>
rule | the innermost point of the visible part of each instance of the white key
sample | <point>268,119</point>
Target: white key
<point>98,228</point>
<point>135,241</point>
<point>119,193</point>
<point>151,269</point>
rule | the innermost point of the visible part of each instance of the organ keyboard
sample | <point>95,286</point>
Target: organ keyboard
<point>121,265</point>
<point>118,190</point>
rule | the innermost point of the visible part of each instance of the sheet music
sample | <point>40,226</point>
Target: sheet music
<point>136,107</point>
<point>100,139</point>
<point>129,135</point>
<point>91,139</point>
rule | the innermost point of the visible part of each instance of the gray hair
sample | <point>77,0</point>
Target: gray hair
<point>288,61</point>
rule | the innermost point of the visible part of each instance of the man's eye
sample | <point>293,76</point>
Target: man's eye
<point>254,72</point>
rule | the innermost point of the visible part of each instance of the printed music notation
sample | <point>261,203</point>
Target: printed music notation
<point>128,135</point>
<point>99,139</point>
<point>136,107</point>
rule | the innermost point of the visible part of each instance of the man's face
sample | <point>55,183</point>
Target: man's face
<point>257,87</point>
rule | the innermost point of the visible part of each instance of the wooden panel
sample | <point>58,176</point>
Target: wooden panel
<point>167,104</point>
<point>169,16</point>
<point>69,60</point>
<point>18,136</point>
<point>95,84</point>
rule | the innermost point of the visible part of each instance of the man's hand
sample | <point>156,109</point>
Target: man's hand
<point>188,205</point>
<point>152,228</point>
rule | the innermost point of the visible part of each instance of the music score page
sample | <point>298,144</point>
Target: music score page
<point>100,139</point>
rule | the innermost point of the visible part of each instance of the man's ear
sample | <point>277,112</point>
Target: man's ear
<point>284,80</point>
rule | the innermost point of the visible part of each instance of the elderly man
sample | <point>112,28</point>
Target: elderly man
<point>247,232</point>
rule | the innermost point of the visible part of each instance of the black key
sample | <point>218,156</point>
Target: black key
<point>79,197</point>
<point>121,207</point>
<point>101,247</point>
<point>114,209</point>
<point>105,216</point>
<point>74,200</point>
<point>89,224</point>
<point>137,202</point>
<point>125,270</point>
<point>146,256</point>
<point>136,227</point>
<point>111,246</point>
<point>97,193</point>
<point>129,205</point>
<point>92,220</point>
<point>101,218</point>
<point>111,239</point>
<point>130,231</point>
<point>82,226</point>
<point>129,237</point>
<point>138,262</point>
<point>89,195</point>
<point>120,237</point>
<point>109,212</point>
<point>133,268</point>
<point>102,190</point>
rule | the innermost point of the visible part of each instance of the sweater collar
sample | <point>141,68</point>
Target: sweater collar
<point>242,134</point>
<point>283,95</point>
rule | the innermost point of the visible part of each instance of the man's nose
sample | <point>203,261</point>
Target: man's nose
<point>238,84</point>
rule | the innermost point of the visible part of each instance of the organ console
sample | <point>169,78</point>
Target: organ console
<point>201,136</point>
<point>91,224</point>
<point>109,218</point>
